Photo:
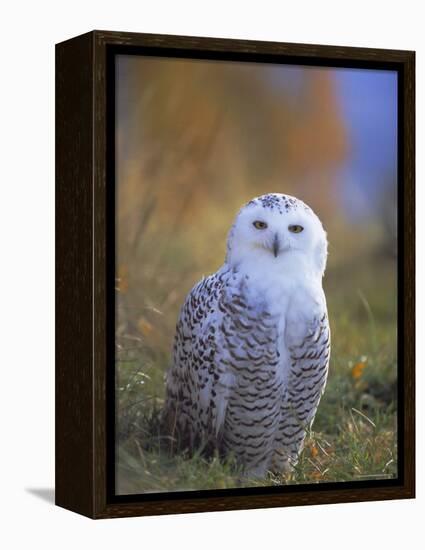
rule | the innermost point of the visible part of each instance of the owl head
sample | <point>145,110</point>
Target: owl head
<point>278,232</point>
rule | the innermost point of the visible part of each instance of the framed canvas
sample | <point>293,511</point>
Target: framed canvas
<point>235,274</point>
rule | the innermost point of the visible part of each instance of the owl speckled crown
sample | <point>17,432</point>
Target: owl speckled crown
<point>278,202</point>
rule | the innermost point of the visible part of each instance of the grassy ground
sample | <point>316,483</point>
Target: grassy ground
<point>354,433</point>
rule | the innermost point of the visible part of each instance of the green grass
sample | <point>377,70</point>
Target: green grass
<point>354,434</point>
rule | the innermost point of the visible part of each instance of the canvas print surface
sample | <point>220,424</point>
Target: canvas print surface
<point>256,275</point>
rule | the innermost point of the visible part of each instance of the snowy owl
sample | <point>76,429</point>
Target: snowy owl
<point>252,343</point>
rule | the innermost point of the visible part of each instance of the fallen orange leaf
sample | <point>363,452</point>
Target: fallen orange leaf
<point>357,370</point>
<point>144,326</point>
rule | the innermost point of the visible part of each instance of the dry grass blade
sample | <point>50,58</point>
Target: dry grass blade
<point>364,416</point>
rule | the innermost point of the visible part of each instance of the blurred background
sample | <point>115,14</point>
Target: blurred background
<point>195,140</point>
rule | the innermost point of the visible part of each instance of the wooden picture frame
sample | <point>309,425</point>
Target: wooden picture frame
<point>85,271</point>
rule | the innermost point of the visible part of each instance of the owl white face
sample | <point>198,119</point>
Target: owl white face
<point>278,230</point>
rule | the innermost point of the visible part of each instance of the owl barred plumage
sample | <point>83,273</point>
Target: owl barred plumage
<point>252,341</point>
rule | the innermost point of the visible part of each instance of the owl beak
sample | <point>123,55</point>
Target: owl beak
<point>276,245</point>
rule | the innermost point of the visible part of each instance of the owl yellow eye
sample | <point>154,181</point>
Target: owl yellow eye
<point>296,228</point>
<point>259,224</point>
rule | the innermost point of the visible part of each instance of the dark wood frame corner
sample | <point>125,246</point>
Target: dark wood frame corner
<point>85,254</point>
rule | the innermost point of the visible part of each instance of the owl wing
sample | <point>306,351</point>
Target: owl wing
<point>307,340</point>
<point>198,383</point>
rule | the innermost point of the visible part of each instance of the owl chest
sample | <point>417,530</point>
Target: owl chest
<point>252,345</point>
<point>253,356</point>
